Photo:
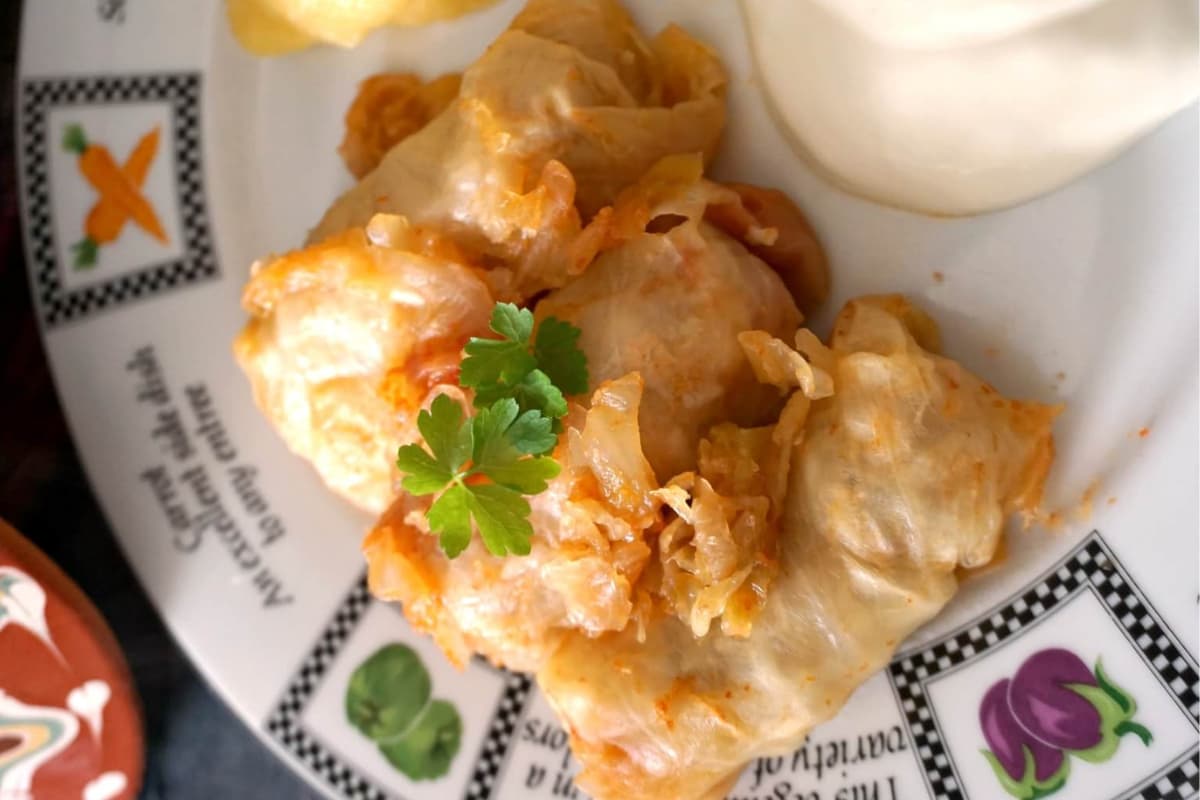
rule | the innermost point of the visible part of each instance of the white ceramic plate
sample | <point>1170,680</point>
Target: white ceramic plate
<point>1088,296</point>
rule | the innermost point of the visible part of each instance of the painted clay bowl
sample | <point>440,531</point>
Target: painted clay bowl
<point>69,719</point>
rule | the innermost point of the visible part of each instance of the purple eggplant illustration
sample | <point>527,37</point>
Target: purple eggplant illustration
<point>1027,768</point>
<point>1053,708</point>
<point>1060,702</point>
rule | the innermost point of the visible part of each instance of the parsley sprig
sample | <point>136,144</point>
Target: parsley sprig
<point>482,466</point>
<point>539,376</point>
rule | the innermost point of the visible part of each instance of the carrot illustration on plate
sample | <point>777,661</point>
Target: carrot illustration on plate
<point>119,189</point>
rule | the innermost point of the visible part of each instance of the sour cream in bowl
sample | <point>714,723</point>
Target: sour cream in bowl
<point>956,107</point>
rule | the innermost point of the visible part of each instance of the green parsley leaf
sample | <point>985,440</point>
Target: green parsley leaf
<point>537,393</point>
<point>532,433</point>
<point>450,516</point>
<point>444,432</point>
<point>520,398</point>
<point>539,379</point>
<point>514,324</point>
<point>558,355</point>
<point>494,364</point>
<point>502,362</point>
<point>527,476</point>
<point>502,516</point>
<point>501,439</point>
<point>490,425</point>
<point>425,474</point>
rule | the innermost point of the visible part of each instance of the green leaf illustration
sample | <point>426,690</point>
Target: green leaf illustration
<point>387,693</point>
<point>1137,729</point>
<point>1018,789</point>
<point>86,252</point>
<point>1119,695</point>
<point>1028,788</point>
<point>428,749</point>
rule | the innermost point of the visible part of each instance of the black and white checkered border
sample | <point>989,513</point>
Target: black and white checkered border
<point>1179,780</point>
<point>1091,566</point>
<point>198,263</point>
<point>496,746</point>
<point>284,725</point>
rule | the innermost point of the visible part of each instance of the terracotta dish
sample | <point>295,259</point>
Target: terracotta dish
<point>69,720</point>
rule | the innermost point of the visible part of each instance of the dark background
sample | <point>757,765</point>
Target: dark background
<point>195,746</point>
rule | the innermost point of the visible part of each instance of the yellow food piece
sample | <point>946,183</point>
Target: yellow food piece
<point>261,30</point>
<point>274,27</point>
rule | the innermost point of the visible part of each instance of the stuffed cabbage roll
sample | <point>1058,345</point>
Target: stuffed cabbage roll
<point>667,300</point>
<point>587,553</point>
<point>490,211</point>
<point>567,107</point>
<point>904,473</point>
<point>347,340</point>
<point>660,314</point>
<point>388,108</point>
